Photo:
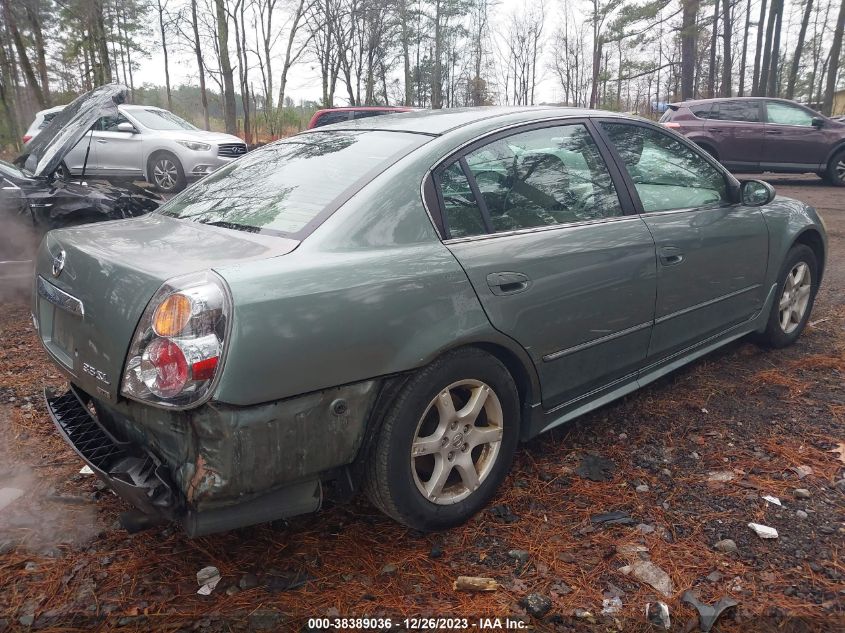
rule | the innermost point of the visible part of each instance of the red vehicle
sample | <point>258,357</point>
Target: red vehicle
<point>338,115</point>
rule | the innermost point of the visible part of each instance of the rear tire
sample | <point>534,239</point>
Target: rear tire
<point>835,174</point>
<point>438,460</point>
<point>794,297</point>
<point>165,173</point>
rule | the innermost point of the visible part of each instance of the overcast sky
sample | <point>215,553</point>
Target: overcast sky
<point>304,81</point>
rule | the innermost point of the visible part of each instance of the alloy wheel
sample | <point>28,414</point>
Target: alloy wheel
<point>840,170</point>
<point>165,174</point>
<point>795,298</point>
<point>457,441</point>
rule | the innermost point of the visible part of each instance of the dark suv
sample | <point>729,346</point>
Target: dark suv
<point>755,134</point>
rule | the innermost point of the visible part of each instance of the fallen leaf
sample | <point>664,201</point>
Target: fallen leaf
<point>840,451</point>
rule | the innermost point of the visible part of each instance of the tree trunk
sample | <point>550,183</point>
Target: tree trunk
<point>772,88</point>
<point>406,52</point>
<point>833,67</point>
<point>763,86</point>
<point>714,40</point>
<point>689,35</point>
<point>41,60</point>
<point>290,55</point>
<point>229,111</point>
<point>744,56</point>
<point>437,70</point>
<point>164,50</point>
<point>200,63</point>
<point>23,58</point>
<point>796,58</point>
<point>101,43</point>
<point>727,62</point>
<point>7,97</point>
<point>755,82</point>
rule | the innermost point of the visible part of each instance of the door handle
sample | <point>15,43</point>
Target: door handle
<point>102,141</point>
<point>671,256</point>
<point>715,130</point>
<point>508,283</point>
<point>774,132</point>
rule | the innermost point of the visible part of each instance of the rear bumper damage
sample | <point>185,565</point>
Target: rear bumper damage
<point>216,468</point>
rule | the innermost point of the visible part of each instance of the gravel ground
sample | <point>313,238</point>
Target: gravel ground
<point>693,456</point>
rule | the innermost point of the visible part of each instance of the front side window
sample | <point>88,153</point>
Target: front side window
<point>283,187</point>
<point>747,111</point>
<point>543,177</point>
<point>666,173</point>
<point>109,123</point>
<point>785,114</point>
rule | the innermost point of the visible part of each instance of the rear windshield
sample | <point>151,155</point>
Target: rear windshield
<point>289,187</point>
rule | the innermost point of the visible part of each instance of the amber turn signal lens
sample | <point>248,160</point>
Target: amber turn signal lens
<point>172,315</point>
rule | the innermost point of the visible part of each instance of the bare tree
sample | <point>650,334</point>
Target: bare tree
<point>833,65</point>
<point>758,51</point>
<point>229,112</point>
<point>727,65</point>
<point>161,13</point>
<point>689,39</point>
<point>799,47</point>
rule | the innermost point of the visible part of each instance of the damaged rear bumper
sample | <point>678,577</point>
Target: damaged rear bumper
<point>218,467</point>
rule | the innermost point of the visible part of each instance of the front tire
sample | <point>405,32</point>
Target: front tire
<point>165,173</point>
<point>797,286</point>
<point>446,442</point>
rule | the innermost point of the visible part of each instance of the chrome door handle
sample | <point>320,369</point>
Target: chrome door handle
<point>102,141</point>
<point>508,283</point>
<point>671,256</point>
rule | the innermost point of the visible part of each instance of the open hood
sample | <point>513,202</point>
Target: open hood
<point>47,150</point>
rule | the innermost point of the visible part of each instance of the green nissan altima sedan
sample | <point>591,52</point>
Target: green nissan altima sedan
<point>393,304</point>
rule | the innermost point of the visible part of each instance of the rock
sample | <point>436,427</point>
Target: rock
<point>536,604</point>
<point>389,569</point>
<point>231,590</point>
<point>763,531</point>
<point>695,455</point>
<point>802,471</point>
<point>611,606</point>
<point>623,436</point>
<point>801,493</point>
<point>714,576</point>
<point>720,476</point>
<point>826,529</point>
<point>504,514</point>
<point>642,488</point>
<point>631,550</point>
<point>801,514</point>
<point>435,552</point>
<point>596,468</point>
<point>248,581</point>
<point>645,528</point>
<point>26,620</point>
<point>613,518</point>
<point>613,591</point>
<point>519,555</point>
<point>649,573</point>
<point>264,620</point>
<point>583,614</point>
<point>666,472</point>
<point>207,574</point>
<point>727,546</point>
<point>772,500</point>
<point>560,589</point>
<point>657,614</point>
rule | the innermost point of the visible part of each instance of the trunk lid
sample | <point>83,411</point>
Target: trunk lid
<point>94,282</point>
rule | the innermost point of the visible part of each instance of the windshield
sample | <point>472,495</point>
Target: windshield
<point>289,187</point>
<point>156,119</point>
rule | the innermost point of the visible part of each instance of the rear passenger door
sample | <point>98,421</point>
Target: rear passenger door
<point>536,221</point>
<point>741,134</point>
<point>711,251</point>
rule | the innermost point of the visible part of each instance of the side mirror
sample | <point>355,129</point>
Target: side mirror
<point>126,126</point>
<point>756,193</point>
<point>817,122</point>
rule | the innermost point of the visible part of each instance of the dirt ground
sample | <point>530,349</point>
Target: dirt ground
<point>694,454</point>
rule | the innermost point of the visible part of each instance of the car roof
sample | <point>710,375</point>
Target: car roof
<point>366,109</point>
<point>690,102</point>
<point>437,122</point>
<point>138,106</point>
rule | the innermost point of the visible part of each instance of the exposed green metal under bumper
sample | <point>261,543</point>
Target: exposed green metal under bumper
<point>218,467</point>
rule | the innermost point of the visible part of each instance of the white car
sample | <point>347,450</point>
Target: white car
<point>146,143</point>
<point>42,118</point>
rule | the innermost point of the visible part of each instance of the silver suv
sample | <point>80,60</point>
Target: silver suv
<point>153,144</point>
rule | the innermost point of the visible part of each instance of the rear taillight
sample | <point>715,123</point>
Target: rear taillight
<point>27,138</point>
<point>179,344</point>
<point>672,126</point>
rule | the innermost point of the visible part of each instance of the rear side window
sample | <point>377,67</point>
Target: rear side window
<point>544,177</point>
<point>744,111</point>
<point>332,117</point>
<point>702,111</point>
<point>287,188</point>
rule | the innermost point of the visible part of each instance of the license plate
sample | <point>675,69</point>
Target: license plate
<point>62,336</point>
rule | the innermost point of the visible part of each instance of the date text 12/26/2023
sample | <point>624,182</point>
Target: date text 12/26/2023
<point>418,623</point>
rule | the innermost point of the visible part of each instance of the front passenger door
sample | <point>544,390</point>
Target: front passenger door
<point>711,251</point>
